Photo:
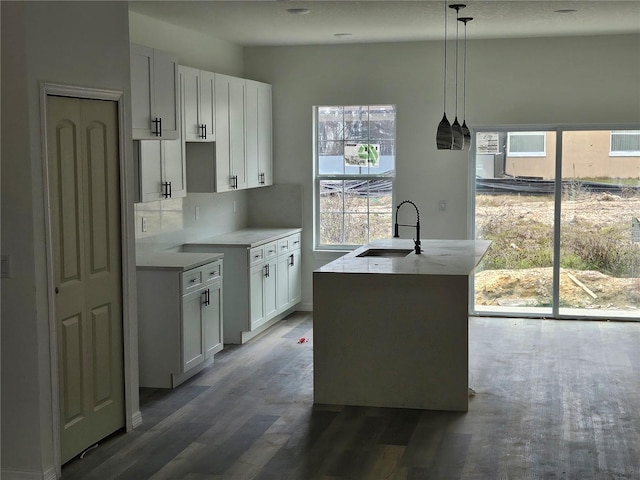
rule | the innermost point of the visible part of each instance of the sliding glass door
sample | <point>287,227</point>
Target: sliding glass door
<point>561,209</point>
<point>599,228</point>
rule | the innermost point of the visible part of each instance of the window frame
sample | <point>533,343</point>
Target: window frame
<point>368,177</point>
<point>543,153</point>
<point>622,153</point>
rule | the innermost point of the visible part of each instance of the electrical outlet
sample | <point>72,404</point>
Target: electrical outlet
<point>197,213</point>
<point>144,224</point>
<point>442,205</point>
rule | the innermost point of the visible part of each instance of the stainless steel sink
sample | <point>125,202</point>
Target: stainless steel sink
<point>386,252</point>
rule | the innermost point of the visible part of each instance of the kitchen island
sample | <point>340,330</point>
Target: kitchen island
<point>391,327</point>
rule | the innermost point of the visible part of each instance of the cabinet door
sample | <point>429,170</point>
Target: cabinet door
<point>173,167</point>
<point>236,132</point>
<point>192,331</point>
<point>283,282</point>
<point>223,167</point>
<point>212,320</point>
<point>189,89</point>
<point>207,105</point>
<point>165,94</point>
<point>270,290</point>
<point>251,136</point>
<point>265,146</point>
<point>295,278</point>
<point>289,280</point>
<point>141,91</point>
<point>150,170</point>
<point>256,295</point>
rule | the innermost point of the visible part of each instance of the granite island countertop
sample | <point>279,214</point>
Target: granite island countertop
<point>438,257</point>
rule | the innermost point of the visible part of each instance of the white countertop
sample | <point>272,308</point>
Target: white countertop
<point>248,237</point>
<point>174,260</point>
<point>438,257</point>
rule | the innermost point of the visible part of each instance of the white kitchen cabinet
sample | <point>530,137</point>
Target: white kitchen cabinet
<point>258,143</point>
<point>154,94</point>
<point>262,286</point>
<point>161,169</point>
<point>197,94</point>
<point>180,322</point>
<point>230,164</point>
<point>254,298</point>
<point>289,272</point>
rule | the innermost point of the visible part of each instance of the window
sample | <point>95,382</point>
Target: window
<point>354,174</point>
<point>625,143</point>
<point>526,144</point>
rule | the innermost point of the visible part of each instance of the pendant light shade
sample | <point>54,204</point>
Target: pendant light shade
<point>465,129</point>
<point>458,136</point>
<point>444,134</point>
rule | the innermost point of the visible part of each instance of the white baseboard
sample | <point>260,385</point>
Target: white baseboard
<point>49,474</point>
<point>305,307</point>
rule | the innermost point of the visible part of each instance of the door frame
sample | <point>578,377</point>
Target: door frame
<point>132,418</point>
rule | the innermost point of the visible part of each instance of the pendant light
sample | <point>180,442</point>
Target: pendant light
<point>444,134</point>
<point>458,136</point>
<point>465,130</point>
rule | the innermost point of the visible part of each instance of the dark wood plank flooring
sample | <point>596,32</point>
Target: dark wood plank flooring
<point>554,400</point>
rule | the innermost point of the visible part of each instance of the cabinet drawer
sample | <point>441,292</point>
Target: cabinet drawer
<point>294,242</point>
<point>270,250</point>
<point>256,255</point>
<point>191,280</point>
<point>283,245</point>
<point>288,244</point>
<point>212,271</point>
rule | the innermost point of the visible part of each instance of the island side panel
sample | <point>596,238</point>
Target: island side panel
<point>391,340</point>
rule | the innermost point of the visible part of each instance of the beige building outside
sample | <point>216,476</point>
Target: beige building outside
<point>594,155</point>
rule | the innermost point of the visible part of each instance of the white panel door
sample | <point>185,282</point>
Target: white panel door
<point>83,174</point>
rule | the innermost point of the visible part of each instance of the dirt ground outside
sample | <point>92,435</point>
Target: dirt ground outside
<point>600,221</point>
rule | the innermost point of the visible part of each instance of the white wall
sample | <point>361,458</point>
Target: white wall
<point>78,43</point>
<point>192,49</point>
<point>587,80</point>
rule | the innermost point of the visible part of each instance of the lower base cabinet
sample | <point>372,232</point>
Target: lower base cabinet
<point>263,284</point>
<point>180,323</point>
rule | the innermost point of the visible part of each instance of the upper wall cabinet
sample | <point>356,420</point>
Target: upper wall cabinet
<point>197,90</point>
<point>154,94</point>
<point>231,170</point>
<point>161,169</point>
<point>258,134</point>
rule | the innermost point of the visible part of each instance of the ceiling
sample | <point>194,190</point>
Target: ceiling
<point>267,22</point>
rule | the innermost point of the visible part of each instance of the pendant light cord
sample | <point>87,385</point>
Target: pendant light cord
<point>457,12</point>
<point>444,106</point>
<point>464,76</point>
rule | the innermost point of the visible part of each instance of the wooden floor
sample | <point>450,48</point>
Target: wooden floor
<point>554,400</point>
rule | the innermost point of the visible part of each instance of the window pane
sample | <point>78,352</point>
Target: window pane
<point>331,229</point>
<point>356,229</point>
<point>331,196</point>
<point>527,143</point>
<point>380,226</point>
<point>382,122</point>
<point>625,141</point>
<point>356,123</point>
<point>330,123</point>
<point>330,158</point>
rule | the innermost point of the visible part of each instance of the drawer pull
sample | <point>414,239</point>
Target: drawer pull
<point>193,280</point>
